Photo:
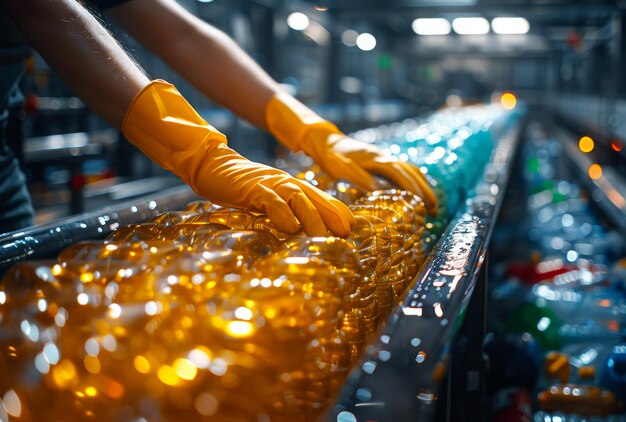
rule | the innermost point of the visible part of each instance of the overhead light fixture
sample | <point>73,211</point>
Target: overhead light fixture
<point>349,36</point>
<point>298,21</point>
<point>470,26</point>
<point>205,1</point>
<point>431,26</point>
<point>510,25</point>
<point>366,41</point>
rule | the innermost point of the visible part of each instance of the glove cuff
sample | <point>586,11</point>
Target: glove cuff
<point>294,124</point>
<point>165,127</point>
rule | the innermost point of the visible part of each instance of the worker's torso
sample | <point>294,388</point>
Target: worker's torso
<point>14,51</point>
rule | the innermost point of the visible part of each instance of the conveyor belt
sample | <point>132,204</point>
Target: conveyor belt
<point>401,373</point>
<point>48,239</point>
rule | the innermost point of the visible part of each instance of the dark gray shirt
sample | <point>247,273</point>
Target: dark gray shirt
<point>14,51</point>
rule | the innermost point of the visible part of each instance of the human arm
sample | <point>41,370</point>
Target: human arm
<point>156,118</point>
<point>82,52</point>
<point>204,55</point>
<point>217,66</point>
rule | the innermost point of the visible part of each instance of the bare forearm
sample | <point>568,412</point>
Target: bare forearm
<point>82,52</point>
<point>205,56</point>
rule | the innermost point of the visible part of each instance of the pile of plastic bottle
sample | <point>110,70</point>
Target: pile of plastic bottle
<point>205,312</point>
<point>212,313</point>
<point>451,147</point>
<point>558,302</point>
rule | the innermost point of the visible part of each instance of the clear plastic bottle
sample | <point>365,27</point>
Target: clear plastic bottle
<point>171,218</point>
<point>343,258</point>
<point>240,220</point>
<point>135,233</point>
<point>367,242</point>
<point>301,302</point>
<point>36,304</point>
<point>124,268</point>
<point>195,277</point>
<point>345,192</point>
<point>413,218</point>
<point>201,206</point>
<point>315,176</point>
<point>580,399</point>
<point>382,257</point>
<point>396,273</point>
<point>189,234</point>
<point>107,356</point>
<point>250,244</point>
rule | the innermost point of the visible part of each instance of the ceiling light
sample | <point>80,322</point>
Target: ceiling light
<point>298,21</point>
<point>366,42</point>
<point>510,25</point>
<point>470,26</point>
<point>349,36</point>
<point>431,26</point>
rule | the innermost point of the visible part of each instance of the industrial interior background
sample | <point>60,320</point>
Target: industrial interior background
<point>571,60</point>
<point>389,66</point>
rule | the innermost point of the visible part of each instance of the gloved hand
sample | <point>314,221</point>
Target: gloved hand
<point>299,128</point>
<point>167,129</point>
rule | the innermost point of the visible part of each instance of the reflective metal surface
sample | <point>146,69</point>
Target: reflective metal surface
<point>401,372</point>
<point>48,239</point>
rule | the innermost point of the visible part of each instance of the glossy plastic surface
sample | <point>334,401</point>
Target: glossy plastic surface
<point>45,240</point>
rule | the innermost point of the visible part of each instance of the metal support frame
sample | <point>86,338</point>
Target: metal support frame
<point>477,361</point>
<point>619,52</point>
<point>464,393</point>
<point>48,239</point>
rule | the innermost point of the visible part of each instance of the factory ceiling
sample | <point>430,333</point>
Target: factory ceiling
<point>554,24</point>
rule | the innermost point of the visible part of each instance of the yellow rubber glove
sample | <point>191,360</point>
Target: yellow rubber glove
<point>299,128</point>
<point>168,130</point>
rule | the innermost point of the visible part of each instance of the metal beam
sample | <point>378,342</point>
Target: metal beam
<point>342,5</point>
<point>367,9</point>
